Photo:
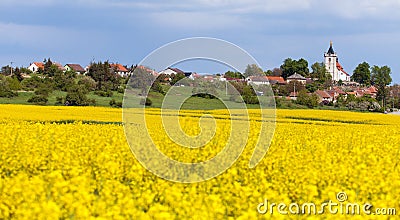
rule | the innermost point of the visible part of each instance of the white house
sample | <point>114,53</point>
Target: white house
<point>35,66</point>
<point>257,80</point>
<point>74,67</point>
<point>297,78</point>
<point>120,69</point>
<point>170,71</point>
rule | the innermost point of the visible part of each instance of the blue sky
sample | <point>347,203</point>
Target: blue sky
<point>79,31</point>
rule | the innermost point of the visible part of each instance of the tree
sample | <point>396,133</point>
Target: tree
<point>362,74</point>
<point>253,70</point>
<point>319,72</point>
<point>310,101</point>
<point>76,96</point>
<point>235,75</point>
<point>63,81</point>
<point>268,73</point>
<point>5,90</point>
<point>381,78</point>
<point>6,70</point>
<point>289,67</point>
<point>276,72</point>
<point>105,78</point>
<point>176,77</point>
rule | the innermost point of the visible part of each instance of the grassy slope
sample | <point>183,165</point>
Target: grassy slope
<point>156,98</point>
<point>23,97</point>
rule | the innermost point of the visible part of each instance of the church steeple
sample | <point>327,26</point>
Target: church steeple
<point>331,51</point>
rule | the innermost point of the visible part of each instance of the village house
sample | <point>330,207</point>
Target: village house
<point>148,70</point>
<point>75,68</point>
<point>119,69</point>
<point>35,66</point>
<point>323,96</point>
<point>170,71</point>
<point>276,80</point>
<point>297,78</point>
<point>257,80</point>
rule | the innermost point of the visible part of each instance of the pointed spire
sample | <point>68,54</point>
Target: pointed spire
<point>331,51</point>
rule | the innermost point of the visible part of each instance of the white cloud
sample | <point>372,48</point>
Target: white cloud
<point>359,9</point>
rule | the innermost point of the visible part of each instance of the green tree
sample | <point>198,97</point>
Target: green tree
<point>249,95</point>
<point>362,74</point>
<point>234,75</point>
<point>310,101</point>
<point>105,78</point>
<point>6,70</point>
<point>141,79</point>
<point>176,77</point>
<point>253,70</point>
<point>319,72</point>
<point>289,67</point>
<point>76,96</point>
<point>5,90</point>
<point>381,78</point>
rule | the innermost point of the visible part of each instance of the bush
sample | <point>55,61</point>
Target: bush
<point>87,82</point>
<point>101,93</point>
<point>59,100</point>
<point>7,93</point>
<point>146,102</point>
<point>14,83</point>
<point>114,103</point>
<point>5,90</point>
<point>29,84</point>
<point>38,99</point>
<point>249,95</point>
<point>121,89</point>
<point>43,90</point>
<point>76,96</point>
<point>310,101</point>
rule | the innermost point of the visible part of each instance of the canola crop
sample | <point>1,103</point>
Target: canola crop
<point>75,163</point>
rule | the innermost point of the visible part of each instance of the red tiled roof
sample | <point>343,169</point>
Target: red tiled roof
<point>373,89</point>
<point>39,65</point>
<point>60,67</point>
<point>119,67</point>
<point>339,67</point>
<point>259,78</point>
<point>276,78</point>
<point>338,90</point>
<point>76,67</point>
<point>323,94</point>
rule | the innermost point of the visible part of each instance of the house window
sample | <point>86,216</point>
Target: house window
<point>330,59</point>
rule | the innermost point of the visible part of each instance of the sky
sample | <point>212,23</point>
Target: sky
<point>82,31</point>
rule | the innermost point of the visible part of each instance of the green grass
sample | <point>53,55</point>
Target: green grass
<point>196,103</point>
<point>23,97</point>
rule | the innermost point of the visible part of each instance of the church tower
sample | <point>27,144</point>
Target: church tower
<point>330,63</point>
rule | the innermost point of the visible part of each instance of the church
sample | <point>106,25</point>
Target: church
<point>333,66</point>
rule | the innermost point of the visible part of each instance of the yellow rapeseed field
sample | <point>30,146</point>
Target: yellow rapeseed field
<point>75,163</point>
